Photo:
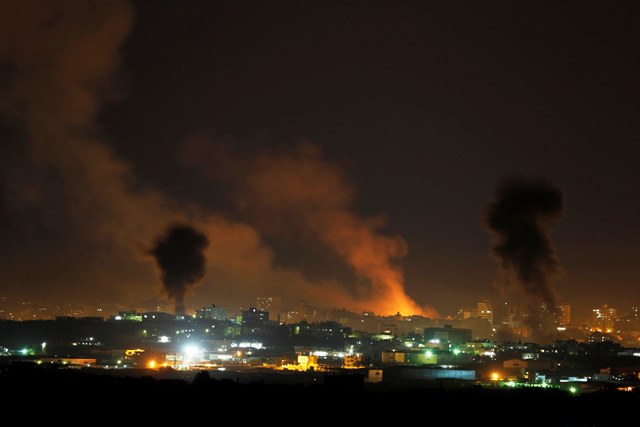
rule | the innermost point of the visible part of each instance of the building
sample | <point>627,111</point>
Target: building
<point>484,310</point>
<point>447,334</point>
<point>416,358</point>
<point>255,315</point>
<point>564,314</point>
<point>213,312</point>
<point>405,374</point>
<point>603,318</point>
<point>465,313</point>
<point>599,337</point>
<point>519,368</point>
<point>272,304</point>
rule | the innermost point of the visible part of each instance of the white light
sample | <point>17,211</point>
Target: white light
<point>220,357</point>
<point>192,352</point>
<point>244,344</point>
<point>164,339</point>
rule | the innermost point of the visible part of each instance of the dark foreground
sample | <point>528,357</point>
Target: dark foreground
<point>79,397</point>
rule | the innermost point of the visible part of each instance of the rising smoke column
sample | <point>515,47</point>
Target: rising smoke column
<point>298,188</point>
<point>518,218</point>
<point>180,257</point>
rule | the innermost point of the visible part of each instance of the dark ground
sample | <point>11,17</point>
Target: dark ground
<point>32,393</point>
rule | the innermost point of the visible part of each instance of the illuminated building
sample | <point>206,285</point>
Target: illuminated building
<point>374,376</point>
<point>352,361</point>
<point>604,318</point>
<point>74,361</point>
<point>598,337</point>
<point>392,357</point>
<point>518,368</point>
<point>307,362</point>
<point>484,310</point>
<point>128,315</point>
<point>564,314</point>
<point>213,312</point>
<point>271,304</point>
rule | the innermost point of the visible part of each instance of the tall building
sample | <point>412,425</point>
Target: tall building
<point>563,313</point>
<point>509,315</point>
<point>272,304</point>
<point>604,318</point>
<point>484,310</point>
<point>543,319</point>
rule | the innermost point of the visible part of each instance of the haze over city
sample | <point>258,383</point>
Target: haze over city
<point>412,157</point>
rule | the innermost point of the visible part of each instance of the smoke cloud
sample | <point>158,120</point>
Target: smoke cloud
<point>518,218</point>
<point>299,190</point>
<point>181,260</point>
<point>78,201</point>
<point>76,223</point>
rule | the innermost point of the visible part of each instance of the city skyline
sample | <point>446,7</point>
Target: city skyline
<point>602,317</point>
<point>355,160</point>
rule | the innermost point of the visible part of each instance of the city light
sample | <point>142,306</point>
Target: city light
<point>190,352</point>
<point>495,376</point>
<point>573,390</point>
<point>151,364</point>
<point>428,353</point>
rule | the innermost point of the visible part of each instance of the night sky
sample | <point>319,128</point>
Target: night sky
<point>328,151</point>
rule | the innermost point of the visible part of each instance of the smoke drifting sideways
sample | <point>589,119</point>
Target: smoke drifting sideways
<point>297,189</point>
<point>518,218</point>
<point>180,257</point>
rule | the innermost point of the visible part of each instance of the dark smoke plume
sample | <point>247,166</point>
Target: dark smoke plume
<point>180,256</point>
<point>518,217</point>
